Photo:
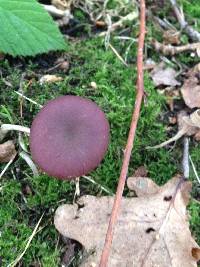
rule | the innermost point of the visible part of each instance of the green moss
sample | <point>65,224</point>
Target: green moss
<point>192,11</point>
<point>115,94</point>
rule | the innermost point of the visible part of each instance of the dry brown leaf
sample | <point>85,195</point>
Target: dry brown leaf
<point>50,79</point>
<point>7,151</point>
<point>163,76</point>
<point>61,4</point>
<point>189,124</point>
<point>191,89</point>
<point>141,172</point>
<point>152,230</point>
<point>171,37</point>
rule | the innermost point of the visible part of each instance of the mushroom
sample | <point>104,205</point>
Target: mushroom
<point>69,137</point>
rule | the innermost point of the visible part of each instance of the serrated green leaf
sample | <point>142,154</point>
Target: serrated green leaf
<point>26,29</point>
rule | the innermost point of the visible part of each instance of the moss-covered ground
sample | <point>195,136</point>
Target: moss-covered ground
<point>24,198</point>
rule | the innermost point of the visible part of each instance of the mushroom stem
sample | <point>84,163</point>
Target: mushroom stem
<point>77,182</point>
<point>13,127</point>
<point>77,190</point>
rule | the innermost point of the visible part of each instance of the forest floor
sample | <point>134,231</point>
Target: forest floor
<point>97,73</point>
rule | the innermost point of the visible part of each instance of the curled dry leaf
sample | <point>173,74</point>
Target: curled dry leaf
<point>61,4</point>
<point>171,37</point>
<point>163,76</point>
<point>191,89</point>
<point>188,125</point>
<point>7,151</point>
<point>140,172</point>
<point>152,230</point>
<point>50,79</point>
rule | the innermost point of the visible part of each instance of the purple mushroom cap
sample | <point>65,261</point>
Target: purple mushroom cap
<point>69,137</point>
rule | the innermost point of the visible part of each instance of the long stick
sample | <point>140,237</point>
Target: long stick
<point>129,145</point>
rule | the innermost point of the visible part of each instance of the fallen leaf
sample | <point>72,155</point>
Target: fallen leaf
<point>189,124</point>
<point>7,151</point>
<point>152,230</point>
<point>191,89</point>
<point>50,79</point>
<point>163,76</point>
<point>171,37</point>
<point>140,172</point>
<point>61,4</point>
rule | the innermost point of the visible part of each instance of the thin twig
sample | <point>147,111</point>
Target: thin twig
<point>118,55</point>
<point>77,188</point>
<point>29,99</point>
<point>7,165</point>
<point>129,145</point>
<point>15,262</point>
<point>114,26</point>
<point>177,136</point>
<point>185,161</point>
<point>94,182</point>
<point>192,33</point>
<point>194,169</point>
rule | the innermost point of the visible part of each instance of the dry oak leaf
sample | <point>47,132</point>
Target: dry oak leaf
<point>152,230</point>
<point>7,151</point>
<point>141,172</point>
<point>171,37</point>
<point>48,78</point>
<point>191,89</point>
<point>163,76</point>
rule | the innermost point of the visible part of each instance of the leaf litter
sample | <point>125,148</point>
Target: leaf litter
<point>152,230</point>
<point>7,151</point>
<point>164,76</point>
<point>191,88</point>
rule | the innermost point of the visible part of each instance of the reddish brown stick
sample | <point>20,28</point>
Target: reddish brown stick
<point>129,145</point>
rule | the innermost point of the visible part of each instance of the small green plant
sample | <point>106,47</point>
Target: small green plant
<point>27,29</point>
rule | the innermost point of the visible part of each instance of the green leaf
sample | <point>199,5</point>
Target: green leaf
<point>27,29</point>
